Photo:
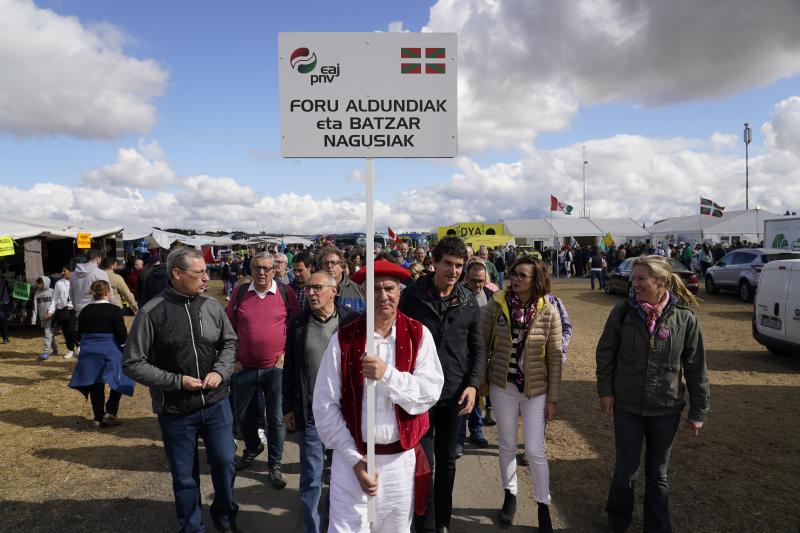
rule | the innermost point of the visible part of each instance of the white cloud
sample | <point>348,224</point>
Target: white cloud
<point>525,66</point>
<point>396,26</point>
<point>725,141</point>
<point>145,167</point>
<point>626,176</point>
<point>60,76</point>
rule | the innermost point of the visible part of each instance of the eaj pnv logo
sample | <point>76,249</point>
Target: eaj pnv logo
<point>303,60</point>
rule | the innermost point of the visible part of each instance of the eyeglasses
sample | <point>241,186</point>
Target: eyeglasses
<point>264,269</point>
<point>331,263</point>
<point>315,288</point>
<point>520,276</point>
<point>197,273</point>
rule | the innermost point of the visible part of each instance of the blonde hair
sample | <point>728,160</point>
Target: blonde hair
<point>660,269</point>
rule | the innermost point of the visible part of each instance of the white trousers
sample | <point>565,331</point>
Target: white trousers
<point>508,404</point>
<point>394,501</point>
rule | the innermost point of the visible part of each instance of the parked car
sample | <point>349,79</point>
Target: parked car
<point>619,279</point>
<point>776,311</point>
<point>741,269</point>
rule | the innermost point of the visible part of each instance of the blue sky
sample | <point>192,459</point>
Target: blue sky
<point>654,107</point>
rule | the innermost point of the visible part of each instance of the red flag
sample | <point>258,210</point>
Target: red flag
<point>392,234</point>
<point>554,204</point>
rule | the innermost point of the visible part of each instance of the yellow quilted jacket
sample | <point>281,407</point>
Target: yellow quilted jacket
<point>542,347</point>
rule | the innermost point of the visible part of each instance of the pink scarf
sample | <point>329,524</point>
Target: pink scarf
<point>653,312</point>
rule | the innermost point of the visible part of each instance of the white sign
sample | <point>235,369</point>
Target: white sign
<point>368,94</point>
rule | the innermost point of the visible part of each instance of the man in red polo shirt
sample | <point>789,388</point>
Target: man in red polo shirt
<point>259,314</point>
<point>409,380</point>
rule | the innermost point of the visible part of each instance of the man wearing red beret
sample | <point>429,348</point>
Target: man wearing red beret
<point>409,381</point>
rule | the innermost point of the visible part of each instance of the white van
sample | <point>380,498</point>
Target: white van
<point>776,313</point>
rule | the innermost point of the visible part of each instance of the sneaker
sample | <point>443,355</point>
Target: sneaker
<point>97,424</point>
<point>43,356</point>
<point>247,457</point>
<point>459,451</point>
<point>111,420</point>
<point>479,440</point>
<point>262,435</point>
<point>77,351</point>
<point>276,477</point>
<point>69,355</point>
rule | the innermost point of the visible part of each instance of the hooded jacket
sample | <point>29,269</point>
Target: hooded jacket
<point>455,326</point>
<point>175,335</point>
<point>41,300</point>
<point>81,282</point>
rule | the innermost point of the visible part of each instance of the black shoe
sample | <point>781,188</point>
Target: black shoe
<point>479,440</point>
<point>276,477</point>
<point>545,525</point>
<point>509,510</point>
<point>247,457</point>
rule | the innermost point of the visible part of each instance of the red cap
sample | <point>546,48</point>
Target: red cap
<point>382,268</point>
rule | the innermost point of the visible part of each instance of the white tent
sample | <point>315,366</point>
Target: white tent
<point>733,226</point>
<point>546,229</point>
<point>26,228</point>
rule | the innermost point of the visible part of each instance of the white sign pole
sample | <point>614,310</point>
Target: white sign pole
<point>371,384</point>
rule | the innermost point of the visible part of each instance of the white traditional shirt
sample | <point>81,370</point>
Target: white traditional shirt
<point>415,392</point>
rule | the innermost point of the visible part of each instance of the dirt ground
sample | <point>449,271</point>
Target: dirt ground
<point>740,474</point>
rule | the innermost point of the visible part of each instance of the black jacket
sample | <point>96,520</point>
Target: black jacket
<point>176,335</point>
<point>457,333</point>
<point>151,283</point>
<point>297,392</point>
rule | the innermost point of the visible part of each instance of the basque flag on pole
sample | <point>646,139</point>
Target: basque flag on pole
<point>392,234</point>
<point>707,207</point>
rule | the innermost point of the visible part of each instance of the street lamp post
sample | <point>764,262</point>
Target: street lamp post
<point>747,138</point>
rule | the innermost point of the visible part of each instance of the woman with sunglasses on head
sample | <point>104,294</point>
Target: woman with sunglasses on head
<point>650,354</point>
<point>522,332</point>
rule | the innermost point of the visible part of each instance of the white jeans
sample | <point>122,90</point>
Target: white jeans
<point>508,404</point>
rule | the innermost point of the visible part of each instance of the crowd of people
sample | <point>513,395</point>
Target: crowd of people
<point>463,339</point>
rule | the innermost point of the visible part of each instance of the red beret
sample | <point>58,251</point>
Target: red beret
<point>382,268</point>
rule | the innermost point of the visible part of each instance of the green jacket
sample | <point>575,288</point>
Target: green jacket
<point>643,372</point>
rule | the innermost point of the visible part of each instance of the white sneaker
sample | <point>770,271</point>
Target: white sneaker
<point>69,354</point>
<point>77,351</point>
<point>262,435</point>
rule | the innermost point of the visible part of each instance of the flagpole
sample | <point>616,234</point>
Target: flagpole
<point>370,345</point>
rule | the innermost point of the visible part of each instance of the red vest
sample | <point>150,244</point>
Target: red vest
<point>353,339</point>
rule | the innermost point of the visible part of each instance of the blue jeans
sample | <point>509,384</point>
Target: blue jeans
<point>630,430</point>
<point>312,462</point>
<point>598,275</point>
<point>247,383</point>
<point>180,434</point>
<point>475,421</point>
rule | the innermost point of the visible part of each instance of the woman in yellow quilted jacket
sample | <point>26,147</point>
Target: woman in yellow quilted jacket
<point>522,331</point>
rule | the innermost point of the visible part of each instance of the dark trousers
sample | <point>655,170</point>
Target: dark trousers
<point>246,383</point>
<point>440,444</point>
<point>598,275</point>
<point>65,318</point>
<point>658,433</point>
<point>4,328</point>
<point>180,433</point>
<point>97,395</point>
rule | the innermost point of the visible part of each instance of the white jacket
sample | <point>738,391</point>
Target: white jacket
<point>61,297</point>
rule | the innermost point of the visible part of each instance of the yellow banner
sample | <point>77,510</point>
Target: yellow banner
<point>470,229</point>
<point>6,245</point>
<point>84,240</point>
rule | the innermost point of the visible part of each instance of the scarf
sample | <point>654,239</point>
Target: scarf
<point>522,316</point>
<point>653,311</point>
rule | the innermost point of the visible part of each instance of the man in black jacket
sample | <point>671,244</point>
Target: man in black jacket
<point>183,347</point>
<point>451,313</point>
<point>307,336</point>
